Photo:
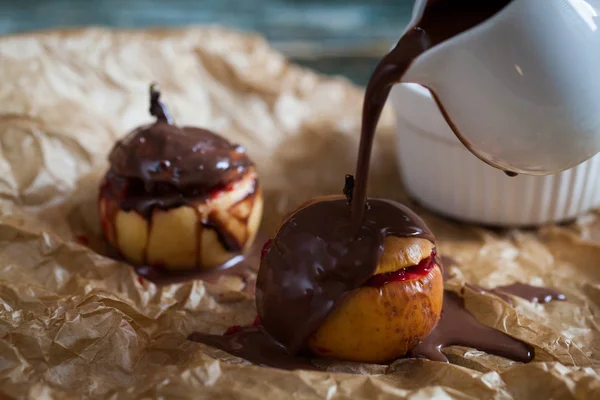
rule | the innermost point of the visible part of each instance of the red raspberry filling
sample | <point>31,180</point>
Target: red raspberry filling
<point>219,190</point>
<point>405,274</point>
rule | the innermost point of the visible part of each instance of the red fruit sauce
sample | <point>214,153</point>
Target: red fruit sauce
<point>220,189</point>
<point>405,274</point>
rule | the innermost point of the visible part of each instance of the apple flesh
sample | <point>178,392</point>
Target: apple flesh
<point>380,323</point>
<point>189,236</point>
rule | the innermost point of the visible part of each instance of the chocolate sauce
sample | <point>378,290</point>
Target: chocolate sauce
<point>533,294</point>
<point>482,290</point>
<point>254,345</point>
<point>164,166</point>
<point>458,327</point>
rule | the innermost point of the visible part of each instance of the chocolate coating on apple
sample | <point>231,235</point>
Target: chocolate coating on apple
<point>164,165</point>
<point>317,259</point>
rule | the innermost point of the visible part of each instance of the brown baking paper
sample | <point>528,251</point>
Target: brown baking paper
<point>76,324</point>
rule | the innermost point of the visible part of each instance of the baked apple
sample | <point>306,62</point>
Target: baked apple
<point>179,197</point>
<point>368,296</point>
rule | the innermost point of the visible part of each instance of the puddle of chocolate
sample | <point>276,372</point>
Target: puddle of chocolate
<point>533,294</point>
<point>482,290</point>
<point>254,345</point>
<point>458,327</point>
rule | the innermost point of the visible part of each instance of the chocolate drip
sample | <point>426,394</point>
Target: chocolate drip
<point>316,259</point>
<point>228,240</point>
<point>458,327</point>
<point>349,188</point>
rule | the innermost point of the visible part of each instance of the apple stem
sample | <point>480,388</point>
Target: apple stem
<point>157,108</point>
<point>349,188</point>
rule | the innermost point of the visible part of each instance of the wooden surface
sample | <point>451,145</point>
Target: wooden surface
<point>333,36</point>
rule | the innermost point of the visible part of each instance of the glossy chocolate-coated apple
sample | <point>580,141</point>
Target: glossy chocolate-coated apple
<point>179,197</point>
<point>378,315</point>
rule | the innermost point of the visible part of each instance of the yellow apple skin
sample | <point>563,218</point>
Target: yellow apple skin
<point>173,240</point>
<point>132,235</point>
<point>185,237</point>
<point>376,325</point>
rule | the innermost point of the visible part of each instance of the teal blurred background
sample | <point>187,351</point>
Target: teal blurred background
<point>332,36</point>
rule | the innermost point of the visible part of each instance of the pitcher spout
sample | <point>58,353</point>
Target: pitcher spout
<point>522,93</point>
<point>421,71</point>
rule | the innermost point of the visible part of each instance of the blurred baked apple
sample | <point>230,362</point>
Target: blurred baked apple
<point>179,197</point>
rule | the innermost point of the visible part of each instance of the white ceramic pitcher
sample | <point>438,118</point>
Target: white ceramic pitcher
<point>522,88</point>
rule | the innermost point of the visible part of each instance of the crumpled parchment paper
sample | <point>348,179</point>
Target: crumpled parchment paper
<point>76,324</point>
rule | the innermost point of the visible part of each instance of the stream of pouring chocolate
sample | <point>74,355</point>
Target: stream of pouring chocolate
<point>441,21</point>
<point>330,248</point>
